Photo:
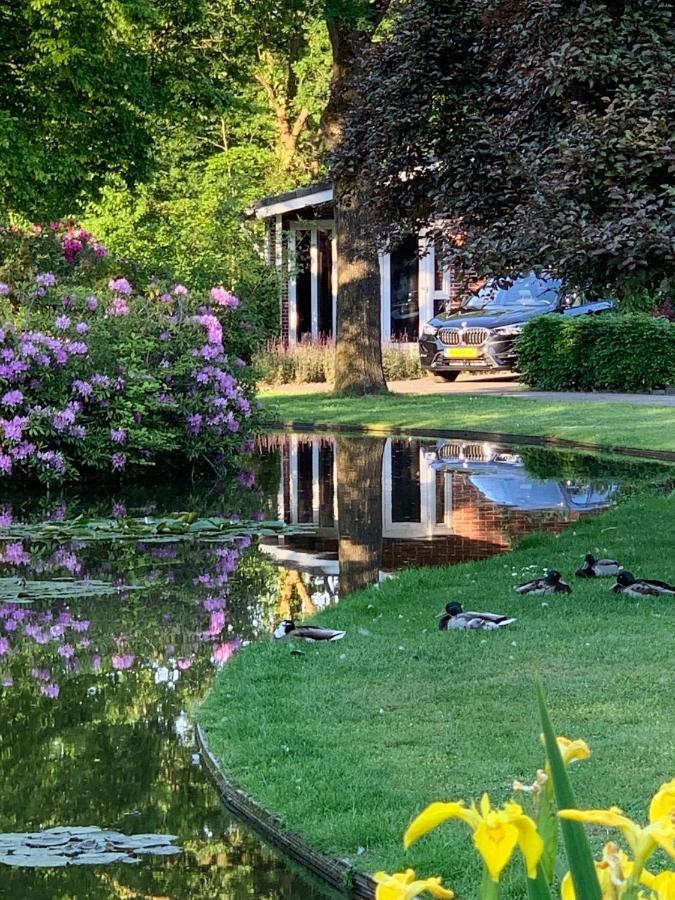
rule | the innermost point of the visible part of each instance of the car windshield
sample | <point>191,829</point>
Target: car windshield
<point>501,293</point>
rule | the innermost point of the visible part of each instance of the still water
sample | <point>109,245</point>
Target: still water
<point>98,690</point>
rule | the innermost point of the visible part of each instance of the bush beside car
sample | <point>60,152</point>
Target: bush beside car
<point>605,353</point>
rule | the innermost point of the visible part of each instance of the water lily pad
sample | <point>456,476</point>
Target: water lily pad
<point>96,858</point>
<point>162,850</point>
<point>35,860</point>
<point>47,840</point>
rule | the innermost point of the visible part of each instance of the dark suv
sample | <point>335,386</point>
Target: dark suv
<point>481,335</point>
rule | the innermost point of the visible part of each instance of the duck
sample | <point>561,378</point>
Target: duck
<point>455,617</point>
<point>552,583</point>
<point>598,568</point>
<point>627,583</point>
<point>288,628</point>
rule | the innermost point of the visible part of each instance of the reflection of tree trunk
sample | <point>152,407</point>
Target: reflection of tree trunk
<point>359,492</point>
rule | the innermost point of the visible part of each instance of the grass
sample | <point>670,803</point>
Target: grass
<point>610,424</point>
<point>350,740</point>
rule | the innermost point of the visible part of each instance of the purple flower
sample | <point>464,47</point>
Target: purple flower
<point>46,279</point>
<point>92,303</point>
<point>83,388</point>
<point>67,651</point>
<point>14,554</point>
<point>4,289</point>
<point>7,681</point>
<point>166,298</point>
<point>119,307</point>
<point>96,663</point>
<point>100,380</point>
<point>50,690</point>
<point>13,428</point>
<point>53,460</point>
<point>179,289</point>
<point>6,516</point>
<point>120,286</point>
<point>118,435</point>
<point>67,303</point>
<point>224,298</point>
<point>247,479</point>
<point>41,674</point>
<point>82,328</point>
<point>12,398</point>
<point>4,645</point>
<point>194,423</point>
<point>118,461</point>
<point>118,510</point>
<point>122,661</point>
<point>62,323</point>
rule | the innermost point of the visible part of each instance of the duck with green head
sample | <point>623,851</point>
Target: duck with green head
<point>455,617</point>
<point>551,583</point>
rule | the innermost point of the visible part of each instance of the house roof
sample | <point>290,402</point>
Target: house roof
<point>299,198</point>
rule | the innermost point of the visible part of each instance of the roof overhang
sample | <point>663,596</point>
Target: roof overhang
<point>291,201</point>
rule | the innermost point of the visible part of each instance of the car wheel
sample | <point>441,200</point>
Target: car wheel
<point>446,376</point>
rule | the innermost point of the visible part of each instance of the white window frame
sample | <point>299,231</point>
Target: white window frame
<point>427,526</point>
<point>312,226</point>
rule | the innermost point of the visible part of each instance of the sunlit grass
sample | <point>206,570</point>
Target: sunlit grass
<point>349,741</point>
<point>610,424</point>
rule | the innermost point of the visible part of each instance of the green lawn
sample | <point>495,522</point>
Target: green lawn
<point>609,424</point>
<point>350,740</point>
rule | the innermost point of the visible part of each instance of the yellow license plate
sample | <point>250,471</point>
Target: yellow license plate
<point>462,353</point>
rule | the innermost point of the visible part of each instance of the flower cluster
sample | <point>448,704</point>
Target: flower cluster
<point>120,378</point>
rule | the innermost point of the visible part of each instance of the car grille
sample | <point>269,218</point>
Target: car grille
<point>471,337</point>
<point>474,452</point>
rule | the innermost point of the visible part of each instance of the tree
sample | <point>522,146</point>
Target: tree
<point>527,133</point>
<point>353,28</point>
<point>82,85</point>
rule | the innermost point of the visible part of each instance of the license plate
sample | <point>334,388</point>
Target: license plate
<point>462,353</point>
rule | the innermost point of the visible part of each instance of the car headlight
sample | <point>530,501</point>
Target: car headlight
<point>429,330</point>
<point>509,330</point>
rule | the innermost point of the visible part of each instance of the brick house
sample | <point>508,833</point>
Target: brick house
<point>301,245</point>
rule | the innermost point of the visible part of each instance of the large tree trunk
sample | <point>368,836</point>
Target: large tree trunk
<point>359,493</point>
<point>358,361</point>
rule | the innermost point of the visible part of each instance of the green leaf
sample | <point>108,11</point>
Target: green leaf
<point>547,825</point>
<point>489,889</point>
<point>537,888</point>
<point>577,848</point>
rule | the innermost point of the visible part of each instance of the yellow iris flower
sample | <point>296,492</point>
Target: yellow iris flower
<point>662,885</point>
<point>612,873</point>
<point>403,886</point>
<point>571,751</point>
<point>642,841</point>
<point>496,832</point>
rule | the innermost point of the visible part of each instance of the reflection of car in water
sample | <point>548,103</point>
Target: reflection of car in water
<point>500,476</point>
<point>482,334</point>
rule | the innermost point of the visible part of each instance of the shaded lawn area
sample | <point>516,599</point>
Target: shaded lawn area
<point>349,741</point>
<point>610,424</point>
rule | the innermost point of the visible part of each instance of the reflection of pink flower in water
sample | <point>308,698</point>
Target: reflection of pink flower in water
<point>123,661</point>
<point>50,690</point>
<point>223,652</point>
<point>184,664</point>
<point>213,603</point>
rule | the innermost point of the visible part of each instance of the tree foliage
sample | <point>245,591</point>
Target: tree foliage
<point>83,85</point>
<point>529,132</point>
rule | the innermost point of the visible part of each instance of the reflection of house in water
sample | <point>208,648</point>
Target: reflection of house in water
<point>445,502</point>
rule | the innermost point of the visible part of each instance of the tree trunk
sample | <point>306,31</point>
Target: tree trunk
<point>358,358</point>
<point>359,493</point>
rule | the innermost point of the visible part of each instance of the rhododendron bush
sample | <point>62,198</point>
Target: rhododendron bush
<point>104,369</point>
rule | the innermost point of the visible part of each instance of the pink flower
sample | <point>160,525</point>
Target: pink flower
<point>224,298</point>
<point>120,286</point>
<point>223,652</point>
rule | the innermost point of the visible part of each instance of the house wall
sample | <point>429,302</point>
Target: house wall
<point>285,234</point>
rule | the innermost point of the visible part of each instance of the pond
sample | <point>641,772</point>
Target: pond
<point>103,663</point>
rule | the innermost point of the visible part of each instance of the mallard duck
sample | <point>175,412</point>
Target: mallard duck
<point>552,583</point>
<point>598,568</point>
<point>455,617</point>
<point>288,628</point>
<point>627,583</point>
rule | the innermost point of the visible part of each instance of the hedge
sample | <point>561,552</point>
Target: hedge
<point>598,353</point>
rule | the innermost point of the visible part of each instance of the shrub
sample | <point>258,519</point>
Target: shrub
<point>634,352</point>
<point>314,362</point>
<point>97,373</point>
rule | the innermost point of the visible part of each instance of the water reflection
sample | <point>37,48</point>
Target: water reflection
<point>370,507</point>
<point>97,698</point>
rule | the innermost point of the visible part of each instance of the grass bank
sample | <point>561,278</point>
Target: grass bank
<point>350,740</point>
<point>610,424</point>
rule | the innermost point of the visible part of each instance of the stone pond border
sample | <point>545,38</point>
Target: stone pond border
<point>464,434</point>
<point>337,874</point>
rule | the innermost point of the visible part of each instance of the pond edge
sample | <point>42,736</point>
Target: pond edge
<point>338,874</point>
<point>462,433</point>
